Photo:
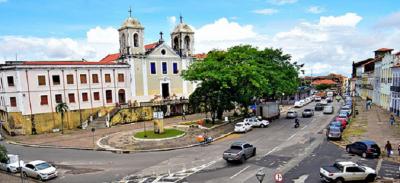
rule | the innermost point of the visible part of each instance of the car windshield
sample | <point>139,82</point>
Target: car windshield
<point>43,166</point>
<point>334,130</point>
<point>307,110</point>
<point>236,147</point>
<point>338,166</point>
<point>374,146</point>
<point>12,159</point>
<point>238,125</point>
<point>290,112</point>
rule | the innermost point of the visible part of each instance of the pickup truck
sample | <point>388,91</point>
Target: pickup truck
<point>255,122</point>
<point>344,171</point>
<point>239,151</point>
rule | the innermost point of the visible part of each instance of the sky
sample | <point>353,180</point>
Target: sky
<point>327,36</point>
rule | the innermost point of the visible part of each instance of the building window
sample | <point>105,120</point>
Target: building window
<point>175,68</point>
<point>13,101</point>
<point>83,78</point>
<point>85,97</point>
<point>153,68</point>
<point>95,78</point>
<point>10,81</point>
<point>58,98</point>
<point>96,95</point>
<point>121,78</point>
<point>56,79</point>
<point>135,40</point>
<point>44,100</point>
<point>109,96</point>
<point>107,78</point>
<point>70,79</point>
<point>164,68</point>
<point>71,97</point>
<point>42,80</point>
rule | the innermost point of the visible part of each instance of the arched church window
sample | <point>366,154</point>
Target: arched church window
<point>176,43</point>
<point>122,40</point>
<point>135,40</point>
<point>187,42</point>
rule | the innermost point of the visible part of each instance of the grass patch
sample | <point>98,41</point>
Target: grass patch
<point>355,129</point>
<point>151,135</point>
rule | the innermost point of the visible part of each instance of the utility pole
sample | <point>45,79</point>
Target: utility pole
<point>19,165</point>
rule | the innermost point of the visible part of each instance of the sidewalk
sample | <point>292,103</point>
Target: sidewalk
<point>83,139</point>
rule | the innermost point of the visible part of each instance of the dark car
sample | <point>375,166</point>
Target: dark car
<point>319,107</point>
<point>307,113</point>
<point>366,148</point>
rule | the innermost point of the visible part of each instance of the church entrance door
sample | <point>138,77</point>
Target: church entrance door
<point>165,90</point>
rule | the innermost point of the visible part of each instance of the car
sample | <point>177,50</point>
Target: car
<point>239,151</point>
<point>317,98</point>
<point>347,109</point>
<point>328,109</point>
<point>255,122</point>
<point>291,114</point>
<point>324,102</point>
<point>299,103</point>
<point>307,113</point>
<point>336,124</point>
<point>329,99</point>
<point>346,171</point>
<point>242,127</point>
<point>11,165</point>
<point>342,120</point>
<point>365,148</point>
<point>1,137</point>
<point>319,107</point>
<point>334,133</point>
<point>39,169</point>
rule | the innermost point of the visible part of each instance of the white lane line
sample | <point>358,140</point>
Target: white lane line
<point>245,168</point>
<point>304,127</point>
<point>291,137</point>
<point>271,151</point>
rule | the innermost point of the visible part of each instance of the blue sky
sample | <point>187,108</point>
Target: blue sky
<point>258,22</point>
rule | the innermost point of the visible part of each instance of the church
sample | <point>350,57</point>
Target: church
<point>140,75</point>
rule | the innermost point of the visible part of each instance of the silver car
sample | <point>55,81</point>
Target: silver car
<point>291,114</point>
<point>239,151</point>
<point>328,109</point>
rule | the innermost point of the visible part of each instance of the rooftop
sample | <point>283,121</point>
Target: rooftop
<point>383,49</point>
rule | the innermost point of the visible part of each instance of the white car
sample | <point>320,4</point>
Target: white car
<point>317,98</point>
<point>242,127</point>
<point>299,103</point>
<point>324,102</point>
<point>255,122</point>
<point>12,164</point>
<point>347,171</point>
<point>39,169</point>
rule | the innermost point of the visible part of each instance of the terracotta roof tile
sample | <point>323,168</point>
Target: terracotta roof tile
<point>323,81</point>
<point>149,47</point>
<point>110,58</point>
<point>384,49</point>
<point>64,63</point>
<point>200,55</point>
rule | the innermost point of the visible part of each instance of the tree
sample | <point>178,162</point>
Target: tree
<point>239,75</point>
<point>323,86</point>
<point>62,108</point>
<point>3,154</point>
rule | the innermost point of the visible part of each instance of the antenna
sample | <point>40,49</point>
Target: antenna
<point>16,56</point>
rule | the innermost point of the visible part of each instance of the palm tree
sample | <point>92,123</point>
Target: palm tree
<point>62,108</point>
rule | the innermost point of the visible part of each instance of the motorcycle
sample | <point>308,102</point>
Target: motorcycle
<point>296,123</point>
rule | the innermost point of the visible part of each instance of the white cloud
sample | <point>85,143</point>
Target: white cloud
<point>315,9</point>
<point>99,43</point>
<point>282,2</point>
<point>171,20</point>
<point>349,19</point>
<point>3,1</point>
<point>267,11</point>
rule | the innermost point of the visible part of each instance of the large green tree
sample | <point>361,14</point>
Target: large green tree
<point>240,75</point>
<point>3,154</point>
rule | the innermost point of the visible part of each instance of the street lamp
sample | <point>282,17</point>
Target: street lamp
<point>144,124</point>
<point>260,175</point>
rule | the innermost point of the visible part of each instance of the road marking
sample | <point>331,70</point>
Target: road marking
<point>301,179</point>
<point>245,168</point>
<point>271,151</point>
<point>304,127</point>
<point>291,137</point>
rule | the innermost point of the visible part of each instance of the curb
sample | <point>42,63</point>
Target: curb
<point>53,147</point>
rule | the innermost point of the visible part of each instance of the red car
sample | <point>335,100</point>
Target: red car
<point>343,121</point>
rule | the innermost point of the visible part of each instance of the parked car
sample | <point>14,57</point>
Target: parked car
<point>319,107</point>
<point>334,133</point>
<point>242,127</point>
<point>307,113</point>
<point>255,122</point>
<point>366,148</point>
<point>239,151</point>
<point>324,102</point>
<point>347,171</point>
<point>328,109</point>
<point>317,98</point>
<point>39,169</point>
<point>329,99</point>
<point>336,124</point>
<point>12,164</point>
<point>347,109</point>
<point>342,120</point>
<point>291,114</point>
<point>299,103</point>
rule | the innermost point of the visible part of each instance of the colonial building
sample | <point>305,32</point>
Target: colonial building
<point>395,88</point>
<point>386,75</point>
<point>136,76</point>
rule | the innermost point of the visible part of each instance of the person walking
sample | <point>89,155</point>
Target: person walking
<point>391,120</point>
<point>398,149</point>
<point>183,115</point>
<point>388,148</point>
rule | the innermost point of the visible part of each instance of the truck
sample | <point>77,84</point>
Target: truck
<point>343,171</point>
<point>268,110</point>
<point>239,151</point>
<point>329,94</point>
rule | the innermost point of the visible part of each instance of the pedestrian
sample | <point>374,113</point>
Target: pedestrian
<point>391,120</point>
<point>388,148</point>
<point>183,115</point>
<point>398,149</point>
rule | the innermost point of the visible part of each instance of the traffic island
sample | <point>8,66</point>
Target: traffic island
<point>151,135</point>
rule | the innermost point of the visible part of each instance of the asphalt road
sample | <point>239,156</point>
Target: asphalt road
<point>279,149</point>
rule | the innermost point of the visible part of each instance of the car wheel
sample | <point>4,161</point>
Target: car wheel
<point>348,149</point>
<point>243,159</point>
<point>370,178</point>
<point>24,174</point>
<point>364,155</point>
<point>254,152</point>
<point>262,126</point>
<point>339,180</point>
